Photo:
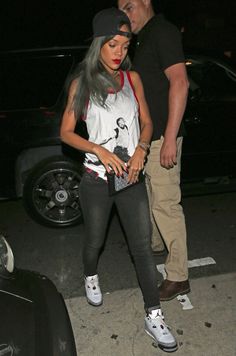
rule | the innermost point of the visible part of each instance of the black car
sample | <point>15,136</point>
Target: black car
<point>209,148</point>
<point>34,164</point>
<point>34,317</point>
<point>46,174</point>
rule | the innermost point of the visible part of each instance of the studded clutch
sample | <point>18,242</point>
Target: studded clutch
<point>118,184</point>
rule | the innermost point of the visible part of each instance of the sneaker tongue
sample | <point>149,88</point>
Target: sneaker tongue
<point>154,313</point>
<point>92,278</point>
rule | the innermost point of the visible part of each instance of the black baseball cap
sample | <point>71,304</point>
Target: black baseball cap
<point>108,21</point>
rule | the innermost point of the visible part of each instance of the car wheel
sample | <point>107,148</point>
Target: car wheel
<point>51,192</point>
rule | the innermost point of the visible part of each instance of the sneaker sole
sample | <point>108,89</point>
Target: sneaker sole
<point>175,295</point>
<point>161,346</point>
<point>94,304</point>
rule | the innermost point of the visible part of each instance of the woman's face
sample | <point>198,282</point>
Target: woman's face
<point>114,51</point>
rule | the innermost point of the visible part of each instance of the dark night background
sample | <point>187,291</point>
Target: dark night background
<point>208,24</point>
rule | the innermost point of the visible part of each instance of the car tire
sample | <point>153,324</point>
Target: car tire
<point>51,192</point>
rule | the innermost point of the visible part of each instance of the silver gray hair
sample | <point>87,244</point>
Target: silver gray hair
<point>93,80</point>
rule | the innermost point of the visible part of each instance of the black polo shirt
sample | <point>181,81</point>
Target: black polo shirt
<point>158,47</point>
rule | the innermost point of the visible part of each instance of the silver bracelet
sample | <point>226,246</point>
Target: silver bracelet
<point>144,145</point>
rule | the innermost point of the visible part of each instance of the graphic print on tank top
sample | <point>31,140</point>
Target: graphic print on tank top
<point>121,137</point>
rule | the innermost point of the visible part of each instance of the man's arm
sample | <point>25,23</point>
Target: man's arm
<point>178,92</point>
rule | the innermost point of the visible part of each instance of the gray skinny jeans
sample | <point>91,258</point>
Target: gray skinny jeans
<point>133,210</point>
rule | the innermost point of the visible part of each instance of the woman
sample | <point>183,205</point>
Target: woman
<point>111,99</point>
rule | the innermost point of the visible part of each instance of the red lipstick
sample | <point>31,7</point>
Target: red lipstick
<point>117,61</point>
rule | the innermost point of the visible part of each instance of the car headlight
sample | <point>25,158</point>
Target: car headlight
<point>6,258</point>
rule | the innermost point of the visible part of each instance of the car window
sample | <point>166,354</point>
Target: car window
<point>27,83</point>
<point>212,79</point>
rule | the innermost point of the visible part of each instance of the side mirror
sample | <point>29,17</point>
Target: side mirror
<point>6,259</point>
<point>194,93</point>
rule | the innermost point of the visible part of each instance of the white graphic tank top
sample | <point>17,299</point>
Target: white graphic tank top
<point>116,127</point>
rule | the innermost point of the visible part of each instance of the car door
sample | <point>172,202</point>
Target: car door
<point>210,120</point>
<point>30,85</point>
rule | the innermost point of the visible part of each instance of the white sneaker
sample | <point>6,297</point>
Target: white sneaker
<point>92,290</point>
<point>159,331</point>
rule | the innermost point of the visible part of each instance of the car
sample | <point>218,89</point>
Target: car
<point>209,147</point>
<point>35,165</point>
<point>46,174</point>
<point>34,317</point>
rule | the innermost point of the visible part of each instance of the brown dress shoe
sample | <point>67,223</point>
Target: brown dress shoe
<point>169,290</point>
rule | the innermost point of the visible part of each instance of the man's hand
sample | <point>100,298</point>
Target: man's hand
<point>168,154</point>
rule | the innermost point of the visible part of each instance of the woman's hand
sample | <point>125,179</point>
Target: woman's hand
<point>110,160</point>
<point>136,164</point>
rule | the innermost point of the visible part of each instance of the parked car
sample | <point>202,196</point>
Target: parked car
<point>35,166</point>
<point>46,174</point>
<point>209,148</point>
<point>34,317</point>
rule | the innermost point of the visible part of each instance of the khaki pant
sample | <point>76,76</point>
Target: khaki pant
<point>166,211</point>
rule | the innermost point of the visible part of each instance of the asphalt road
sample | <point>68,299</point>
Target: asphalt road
<point>56,253</point>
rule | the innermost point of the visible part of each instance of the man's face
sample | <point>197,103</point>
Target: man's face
<point>121,123</point>
<point>137,11</point>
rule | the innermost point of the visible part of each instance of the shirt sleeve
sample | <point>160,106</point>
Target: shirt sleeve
<point>168,46</point>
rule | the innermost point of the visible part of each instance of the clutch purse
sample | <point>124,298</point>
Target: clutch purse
<point>118,184</point>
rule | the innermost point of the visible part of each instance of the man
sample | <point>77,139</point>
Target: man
<point>159,60</point>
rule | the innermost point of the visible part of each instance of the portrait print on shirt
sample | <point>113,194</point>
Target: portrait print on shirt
<point>121,137</point>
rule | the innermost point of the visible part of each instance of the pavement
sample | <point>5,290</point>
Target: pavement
<point>117,327</point>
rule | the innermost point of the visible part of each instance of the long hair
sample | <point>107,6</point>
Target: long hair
<point>93,80</point>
